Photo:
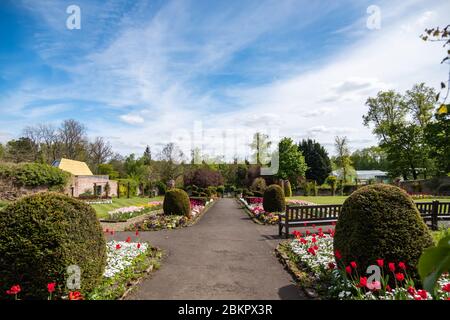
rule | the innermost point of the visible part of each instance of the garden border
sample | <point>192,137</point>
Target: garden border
<point>301,277</point>
<point>122,225</point>
<point>246,209</point>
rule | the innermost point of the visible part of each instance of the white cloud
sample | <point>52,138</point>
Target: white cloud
<point>132,118</point>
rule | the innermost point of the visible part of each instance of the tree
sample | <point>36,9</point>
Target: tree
<point>203,177</point>
<point>107,169</point>
<point>399,122</point>
<point>372,158</point>
<point>2,152</point>
<point>20,150</point>
<point>292,164</point>
<point>72,136</point>
<point>317,160</point>
<point>260,145</point>
<point>170,158</point>
<point>99,152</point>
<point>343,161</point>
<point>147,157</point>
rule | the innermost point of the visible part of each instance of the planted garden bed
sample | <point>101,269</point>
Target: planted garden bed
<point>159,220</point>
<point>254,208</point>
<point>318,270</point>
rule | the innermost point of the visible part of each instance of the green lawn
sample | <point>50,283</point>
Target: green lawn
<point>102,209</point>
<point>341,199</point>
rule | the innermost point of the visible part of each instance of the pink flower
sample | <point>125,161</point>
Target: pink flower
<point>375,285</point>
<point>15,289</point>
<point>446,287</point>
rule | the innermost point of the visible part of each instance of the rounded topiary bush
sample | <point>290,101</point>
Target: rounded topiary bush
<point>381,222</point>
<point>176,202</point>
<point>273,200</point>
<point>41,236</point>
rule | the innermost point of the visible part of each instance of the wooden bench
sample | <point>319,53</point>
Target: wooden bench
<point>297,216</point>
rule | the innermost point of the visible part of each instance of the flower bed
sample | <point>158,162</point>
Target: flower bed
<point>127,263</point>
<point>125,213</point>
<point>318,267</point>
<point>159,220</point>
<point>256,211</point>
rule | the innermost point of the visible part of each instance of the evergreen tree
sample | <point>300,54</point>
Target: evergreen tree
<point>317,160</point>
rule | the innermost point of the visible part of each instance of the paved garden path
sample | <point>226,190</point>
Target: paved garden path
<point>224,256</point>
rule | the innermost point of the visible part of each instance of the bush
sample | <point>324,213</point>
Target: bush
<point>274,199</point>
<point>176,202</point>
<point>34,174</point>
<point>259,184</point>
<point>287,189</point>
<point>41,235</point>
<point>162,188</point>
<point>221,190</point>
<point>381,221</point>
<point>203,177</point>
<point>211,191</point>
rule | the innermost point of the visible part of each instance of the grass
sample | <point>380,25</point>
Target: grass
<point>102,209</point>
<point>3,204</point>
<point>341,199</point>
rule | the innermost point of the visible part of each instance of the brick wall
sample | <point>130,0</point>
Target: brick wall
<point>81,184</point>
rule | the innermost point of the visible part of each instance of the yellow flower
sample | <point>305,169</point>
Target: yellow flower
<point>442,109</point>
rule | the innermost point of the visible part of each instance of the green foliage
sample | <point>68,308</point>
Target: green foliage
<point>41,235</point>
<point>107,169</point>
<point>162,187</point>
<point>273,200</point>
<point>291,161</point>
<point>123,187</point>
<point>317,160</point>
<point>34,174</point>
<point>332,182</point>
<point>400,123</point>
<point>434,262</point>
<point>287,189</point>
<point>381,221</point>
<point>176,202</point>
<point>220,189</point>
<point>259,185</point>
<point>372,158</point>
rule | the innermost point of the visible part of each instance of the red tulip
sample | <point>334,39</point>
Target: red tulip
<point>302,240</point>
<point>312,251</point>
<point>137,233</point>
<point>348,269</point>
<point>446,287</point>
<point>391,266</point>
<point>14,290</point>
<point>353,264</point>
<point>402,265</point>
<point>112,232</point>
<point>388,288</point>
<point>128,240</point>
<point>75,295</point>
<point>411,290</point>
<point>118,246</point>
<point>400,276</point>
<point>423,294</point>
<point>138,245</point>
<point>337,254</point>
<point>314,226</point>
<point>107,230</point>
<point>51,287</point>
<point>362,282</point>
<point>308,233</point>
<point>314,240</point>
<point>380,262</point>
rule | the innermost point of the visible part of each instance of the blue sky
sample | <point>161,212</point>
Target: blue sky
<point>150,72</point>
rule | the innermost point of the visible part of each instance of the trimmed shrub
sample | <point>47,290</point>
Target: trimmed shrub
<point>381,222</point>
<point>273,200</point>
<point>34,174</point>
<point>287,189</point>
<point>43,234</point>
<point>176,202</point>
<point>259,185</point>
<point>221,189</point>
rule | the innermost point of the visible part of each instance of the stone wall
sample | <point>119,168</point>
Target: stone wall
<point>11,192</point>
<point>426,186</point>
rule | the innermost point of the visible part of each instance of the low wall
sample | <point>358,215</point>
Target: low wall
<point>434,186</point>
<point>11,192</point>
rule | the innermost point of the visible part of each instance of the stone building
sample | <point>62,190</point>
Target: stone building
<point>83,181</point>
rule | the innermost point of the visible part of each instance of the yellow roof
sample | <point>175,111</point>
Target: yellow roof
<point>77,168</point>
